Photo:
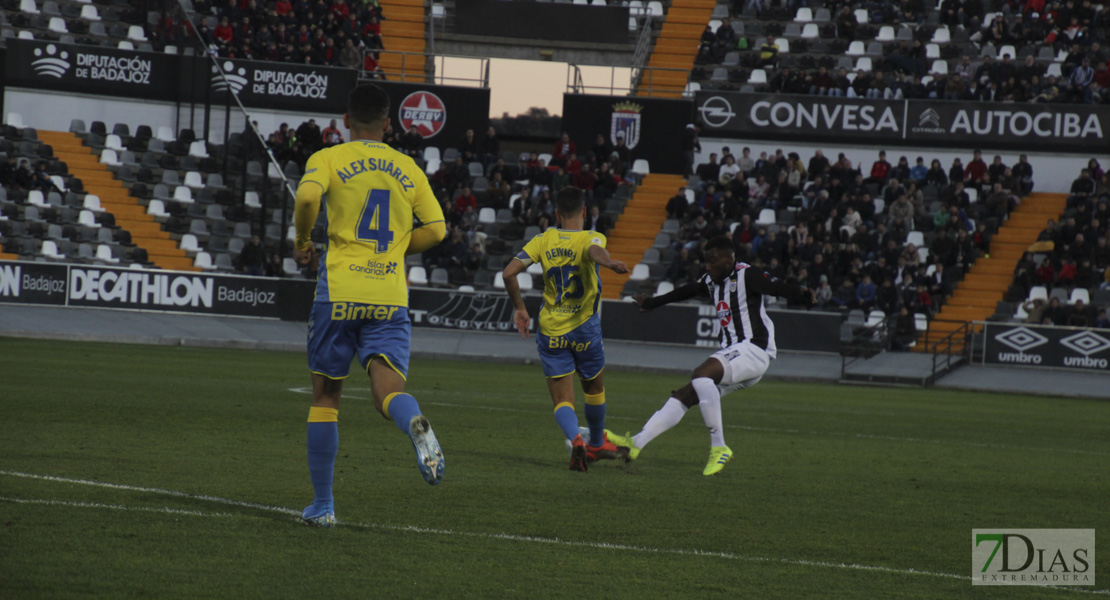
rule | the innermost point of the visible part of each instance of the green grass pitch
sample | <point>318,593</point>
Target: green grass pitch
<point>164,472</point>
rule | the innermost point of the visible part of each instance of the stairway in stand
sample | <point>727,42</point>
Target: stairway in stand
<point>675,48</point>
<point>637,227</point>
<point>130,215</point>
<point>403,30</point>
<point>989,278</point>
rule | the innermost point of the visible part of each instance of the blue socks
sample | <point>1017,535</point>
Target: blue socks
<point>567,420</point>
<point>595,418</point>
<point>323,444</point>
<point>401,407</point>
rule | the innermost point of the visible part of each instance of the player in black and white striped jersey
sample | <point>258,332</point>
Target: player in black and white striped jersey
<point>747,346</point>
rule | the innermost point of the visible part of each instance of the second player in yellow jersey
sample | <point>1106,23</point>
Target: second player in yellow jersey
<point>569,338</point>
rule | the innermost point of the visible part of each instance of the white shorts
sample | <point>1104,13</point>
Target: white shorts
<point>744,364</point>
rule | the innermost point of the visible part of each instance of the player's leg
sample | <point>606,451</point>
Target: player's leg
<point>672,411</point>
<point>562,397</point>
<point>599,447</point>
<point>558,364</point>
<point>330,348</point>
<point>742,365</point>
<point>383,349</point>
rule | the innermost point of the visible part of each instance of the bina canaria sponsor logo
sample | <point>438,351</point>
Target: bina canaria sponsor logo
<point>49,62</point>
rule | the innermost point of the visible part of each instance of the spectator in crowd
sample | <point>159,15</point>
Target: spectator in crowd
<point>332,135</point>
<point>563,149</point>
<point>596,221</point>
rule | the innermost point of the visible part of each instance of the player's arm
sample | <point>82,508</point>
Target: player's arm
<point>426,209</point>
<point>521,318</point>
<point>601,256</point>
<point>761,282</point>
<point>306,207</point>
<point>678,294</point>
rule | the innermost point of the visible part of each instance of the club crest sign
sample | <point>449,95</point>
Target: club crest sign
<point>626,123</point>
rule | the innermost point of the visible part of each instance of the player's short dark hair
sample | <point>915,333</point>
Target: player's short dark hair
<point>569,201</point>
<point>720,244</point>
<point>367,104</point>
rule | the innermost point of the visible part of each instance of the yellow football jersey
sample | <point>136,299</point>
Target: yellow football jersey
<point>371,193</point>
<point>571,284</point>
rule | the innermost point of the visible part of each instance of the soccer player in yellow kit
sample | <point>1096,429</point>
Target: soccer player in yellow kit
<point>569,338</point>
<point>371,194</point>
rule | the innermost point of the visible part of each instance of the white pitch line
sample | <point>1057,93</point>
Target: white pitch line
<point>477,534</point>
<point>131,488</point>
<point>170,511</point>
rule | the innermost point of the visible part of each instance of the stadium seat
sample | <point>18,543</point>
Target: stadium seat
<point>1038,291</point>
<point>1060,294</point>
<point>29,7</point>
<point>863,64</point>
<point>875,317</point>
<point>640,272</point>
<point>757,77</point>
<point>92,203</point>
<point>766,217</point>
<point>524,280</point>
<point>439,277</point>
<point>418,276</point>
<point>198,149</point>
<point>193,180</point>
<point>189,243</point>
<point>861,16</point>
<point>640,165</point>
<point>940,67</point>
<point>920,322</point>
<point>811,31</point>
<point>886,34</point>
<point>157,209</point>
<point>165,134</point>
<point>431,152</point>
<point>856,48</point>
<point>804,15</point>
<point>171,49</point>
<point>932,51</point>
<point>86,218</point>
<point>57,25</point>
<point>1007,49</point>
<point>104,253</point>
<point>50,250</point>
<point>109,157</point>
<point>655,8</point>
<point>250,198</point>
<point>203,260</point>
<point>35,198</point>
<point>1080,294</point>
<point>533,269</point>
<point>183,194</point>
<point>783,44</point>
<point>135,32</point>
<point>125,45</point>
<point>651,257</point>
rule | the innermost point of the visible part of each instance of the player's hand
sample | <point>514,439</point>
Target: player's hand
<point>638,299</point>
<point>522,320</point>
<point>305,256</point>
<point>618,266</point>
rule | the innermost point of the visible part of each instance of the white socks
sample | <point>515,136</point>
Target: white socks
<point>709,400</point>
<point>663,419</point>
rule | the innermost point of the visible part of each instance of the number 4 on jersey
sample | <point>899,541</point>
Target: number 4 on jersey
<point>373,225</point>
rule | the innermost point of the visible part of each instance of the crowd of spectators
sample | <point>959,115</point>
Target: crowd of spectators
<point>854,235</point>
<point>320,32</point>
<point>1071,254</point>
<point>1073,29</point>
<point>473,174</point>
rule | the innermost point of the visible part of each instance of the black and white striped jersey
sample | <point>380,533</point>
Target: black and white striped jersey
<point>739,301</point>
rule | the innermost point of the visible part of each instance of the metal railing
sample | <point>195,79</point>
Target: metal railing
<point>576,85</point>
<point>952,349</point>
<point>419,62</point>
